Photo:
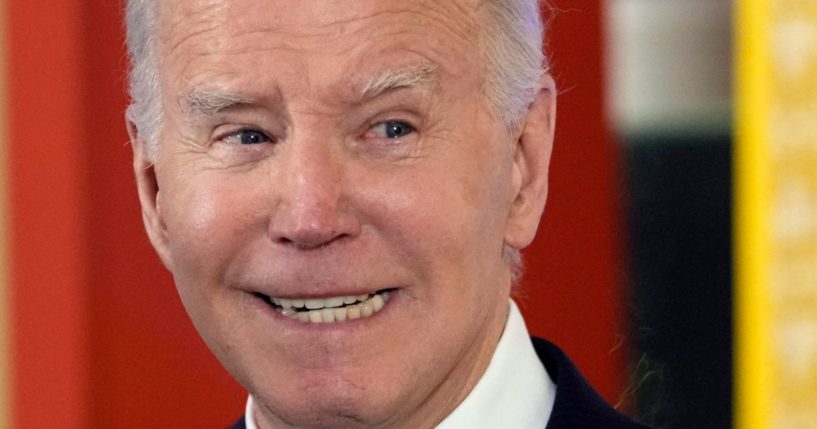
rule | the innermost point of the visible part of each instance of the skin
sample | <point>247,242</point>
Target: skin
<point>326,204</point>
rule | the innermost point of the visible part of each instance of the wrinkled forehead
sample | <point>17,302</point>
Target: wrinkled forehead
<point>320,12</point>
<point>182,19</point>
<point>315,40</point>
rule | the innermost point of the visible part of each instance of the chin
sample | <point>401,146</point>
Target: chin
<point>325,406</point>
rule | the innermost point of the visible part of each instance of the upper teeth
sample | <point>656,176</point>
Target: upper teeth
<point>335,309</point>
<point>317,304</point>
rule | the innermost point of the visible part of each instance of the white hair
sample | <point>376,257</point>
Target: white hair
<point>145,110</point>
<point>511,49</point>
<point>513,54</point>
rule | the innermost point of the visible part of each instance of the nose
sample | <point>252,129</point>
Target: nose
<point>312,208</point>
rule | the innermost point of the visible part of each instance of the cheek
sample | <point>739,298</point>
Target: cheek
<point>205,224</point>
<point>446,218</point>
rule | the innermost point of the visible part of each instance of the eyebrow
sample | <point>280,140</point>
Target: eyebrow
<point>415,76</point>
<point>202,102</point>
<point>208,103</point>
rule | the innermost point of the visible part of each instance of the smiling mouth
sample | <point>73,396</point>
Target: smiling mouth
<point>330,310</point>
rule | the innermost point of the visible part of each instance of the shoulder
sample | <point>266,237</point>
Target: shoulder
<point>577,405</point>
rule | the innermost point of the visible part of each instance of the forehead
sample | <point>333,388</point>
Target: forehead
<point>204,38</point>
<point>317,13</point>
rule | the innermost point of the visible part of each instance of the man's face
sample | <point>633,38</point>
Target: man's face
<point>335,151</point>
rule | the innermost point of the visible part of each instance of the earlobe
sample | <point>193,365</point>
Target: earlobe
<point>149,195</point>
<point>531,163</point>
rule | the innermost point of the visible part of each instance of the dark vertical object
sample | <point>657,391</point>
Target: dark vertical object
<point>680,247</point>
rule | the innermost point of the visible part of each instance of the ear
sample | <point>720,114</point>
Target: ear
<point>530,167</point>
<point>149,195</point>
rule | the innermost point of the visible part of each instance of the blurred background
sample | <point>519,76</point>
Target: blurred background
<point>676,262</point>
<point>669,99</point>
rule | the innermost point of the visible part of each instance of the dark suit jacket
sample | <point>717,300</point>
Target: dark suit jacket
<point>577,405</point>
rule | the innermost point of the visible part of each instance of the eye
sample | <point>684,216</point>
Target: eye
<point>392,129</point>
<point>248,137</point>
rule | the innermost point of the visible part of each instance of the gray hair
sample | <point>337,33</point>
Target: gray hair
<point>145,110</point>
<point>514,57</point>
<point>512,52</point>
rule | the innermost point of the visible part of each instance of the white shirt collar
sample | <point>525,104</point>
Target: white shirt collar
<point>249,418</point>
<point>514,392</point>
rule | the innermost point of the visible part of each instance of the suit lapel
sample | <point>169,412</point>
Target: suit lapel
<point>577,405</point>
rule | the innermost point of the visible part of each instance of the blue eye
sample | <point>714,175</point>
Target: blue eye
<point>249,137</point>
<point>393,129</point>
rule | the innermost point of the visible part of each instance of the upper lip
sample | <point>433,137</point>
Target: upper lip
<point>322,295</point>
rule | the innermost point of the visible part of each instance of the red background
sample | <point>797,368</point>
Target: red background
<point>100,338</point>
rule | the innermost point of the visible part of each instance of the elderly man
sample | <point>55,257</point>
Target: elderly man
<point>341,190</point>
